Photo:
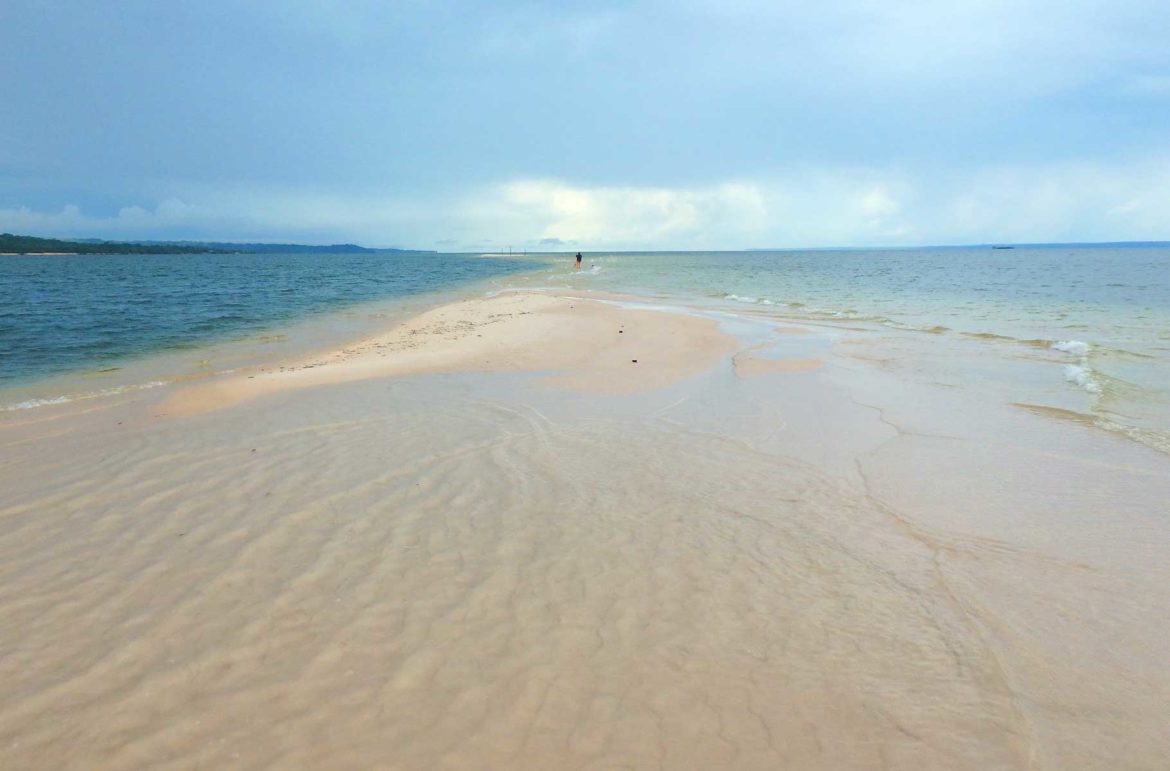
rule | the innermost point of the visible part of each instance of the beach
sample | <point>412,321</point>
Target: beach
<point>571,528</point>
<point>594,386</point>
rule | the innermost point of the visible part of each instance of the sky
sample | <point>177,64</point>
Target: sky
<point>681,124</point>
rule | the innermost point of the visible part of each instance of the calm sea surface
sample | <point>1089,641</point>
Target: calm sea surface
<point>1122,294</point>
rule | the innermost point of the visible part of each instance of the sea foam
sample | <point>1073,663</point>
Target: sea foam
<point>1082,375</point>
<point>1075,347</point>
<point>30,404</point>
<point>1079,374</point>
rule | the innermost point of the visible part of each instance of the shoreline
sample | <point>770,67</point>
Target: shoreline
<point>387,321</point>
<point>289,341</point>
<point>285,330</point>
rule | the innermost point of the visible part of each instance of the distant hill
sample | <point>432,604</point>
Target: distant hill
<point>10,244</point>
<point>223,246</point>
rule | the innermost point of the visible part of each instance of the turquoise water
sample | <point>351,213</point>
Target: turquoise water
<point>1093,320</point>
<point>65,313</point>
<point>1121,294</point>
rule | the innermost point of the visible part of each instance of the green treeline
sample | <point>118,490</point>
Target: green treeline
<point>10,244</point>
<point>32,245</point>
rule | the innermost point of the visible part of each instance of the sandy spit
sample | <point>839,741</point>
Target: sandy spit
<point>583,343</point>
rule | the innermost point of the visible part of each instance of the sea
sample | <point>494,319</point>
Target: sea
<point>1095,317</point>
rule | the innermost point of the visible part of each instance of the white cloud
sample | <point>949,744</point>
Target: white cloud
<point>616,215</point>
<point>810,208</point>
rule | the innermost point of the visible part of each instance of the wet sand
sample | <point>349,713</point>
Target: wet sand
<point>487,538</point>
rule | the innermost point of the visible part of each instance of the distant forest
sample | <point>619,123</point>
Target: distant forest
<point>10,244</point>
<point>32,245</point>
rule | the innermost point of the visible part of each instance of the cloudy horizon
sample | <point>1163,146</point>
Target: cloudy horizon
<point>638,125</point>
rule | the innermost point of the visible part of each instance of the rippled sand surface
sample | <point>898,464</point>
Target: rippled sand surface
<point>475,570</point>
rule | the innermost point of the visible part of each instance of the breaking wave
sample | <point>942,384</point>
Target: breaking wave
<point>1080,374</point>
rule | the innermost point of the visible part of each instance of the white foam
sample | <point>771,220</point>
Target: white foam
<point>1082,375</point>
<point>1079,374</point>
<point>1075,347</point>
<point>30,404</point>
<point>749,300</point>
<point>33,403</point>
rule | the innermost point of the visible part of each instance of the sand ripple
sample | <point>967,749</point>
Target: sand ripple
<point>471,587</point>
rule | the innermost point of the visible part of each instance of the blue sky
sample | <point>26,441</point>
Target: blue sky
<point>683,125</point>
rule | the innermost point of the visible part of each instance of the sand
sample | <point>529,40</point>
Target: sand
<point>588,344</point>
<point>486,538</point>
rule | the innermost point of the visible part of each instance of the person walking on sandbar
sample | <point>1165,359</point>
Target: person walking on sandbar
<point>578,261</point>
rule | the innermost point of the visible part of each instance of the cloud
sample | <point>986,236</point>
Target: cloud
<point>812,206</point>
<point>1074,201</point>
<point>353,112</point>
<point>71,222</point>
<point>617,215</point>
<point>1007,47</point>
<point>255,215</point>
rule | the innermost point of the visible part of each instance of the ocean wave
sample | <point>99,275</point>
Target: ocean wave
<point>34,403</point>
<point>937,329</point>
<point>30,404</point>
<point>1075,347</point>
<point>989,336</point>
<point>1154,439</point>
<point>1064,346</point>
<point>801,311</point>
<point>1080,374</point>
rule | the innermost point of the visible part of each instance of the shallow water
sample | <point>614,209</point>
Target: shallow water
<point>89,312</point>
<point>479,571</point>
<point>1099,315</point>
<point>1026,293</point>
